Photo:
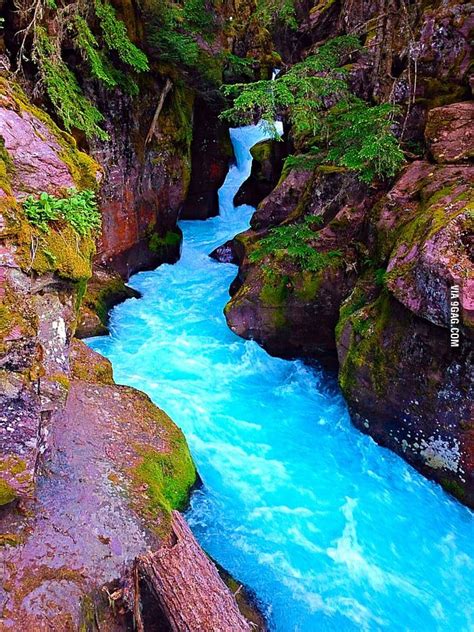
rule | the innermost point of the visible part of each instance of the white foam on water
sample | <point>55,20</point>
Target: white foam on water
<point>331,531</point>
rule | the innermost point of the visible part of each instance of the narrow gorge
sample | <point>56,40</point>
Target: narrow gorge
<point>246,228</point>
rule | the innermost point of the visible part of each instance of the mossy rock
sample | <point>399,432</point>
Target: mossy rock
<point>160,245</point>
<point>162,479</point>
<point>61,251</point>
<point>262,151</point>
<point>84,170</point>
<point>7,168</point>
<point>7,493</point>
<point>364,325</point>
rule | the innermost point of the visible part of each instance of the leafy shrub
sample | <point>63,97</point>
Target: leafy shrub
<point>292,242</point>
<point>79,210</point>
<point>361,139</point>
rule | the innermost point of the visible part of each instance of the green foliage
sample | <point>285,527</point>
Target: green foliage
<point>79,210</point>
<point>197,17</point>
<point>66,96</point>
<point>87,43</point>
<point>361,139</point>
<point>303,91</point>
<point>380,275</point>
<point>329,124</point>
<point>100,65</point>
<point>71,105</point>
<point>269,12</point>
<point>116,37</point>
<point>292,241</point>
<point>242,66</point>
<point>159,244</point>
<point>175,47</point>
<point>303,162</point>
<point>172,30</point>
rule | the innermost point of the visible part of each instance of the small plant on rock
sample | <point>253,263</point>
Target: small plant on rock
<point>293,242</point>
<point>79,209</point>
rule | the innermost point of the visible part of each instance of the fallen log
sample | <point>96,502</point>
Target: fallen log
<point>187,586</point>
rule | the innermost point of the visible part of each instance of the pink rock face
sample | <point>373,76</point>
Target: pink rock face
<point>35,154</point>
<point>83,529</point>
<point>450,132</point>
<point>444,44</point>
<point>431,249</point>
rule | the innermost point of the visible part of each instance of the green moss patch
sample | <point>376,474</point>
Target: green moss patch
<point>163,479</point>
<point>160,244</point>
<point>7,168</point>
<point>367,324</point>
<point>7,493</point>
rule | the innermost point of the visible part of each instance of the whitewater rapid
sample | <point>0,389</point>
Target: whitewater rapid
<point>329,530</point>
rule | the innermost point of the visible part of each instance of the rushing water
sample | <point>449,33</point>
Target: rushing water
<point>331,531</point>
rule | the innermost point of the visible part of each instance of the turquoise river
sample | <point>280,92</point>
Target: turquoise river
<point>330,531</point>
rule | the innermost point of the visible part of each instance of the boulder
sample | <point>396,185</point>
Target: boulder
<point>423,230</point>
<point>292,311</point>
<point>104,290</point>
<point>283,200</point>
<point>226,253</point>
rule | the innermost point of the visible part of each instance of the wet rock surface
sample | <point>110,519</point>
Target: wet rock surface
<point>211,154</point>
<point>104,290</point>
<point>289,311</point>
<point>267,164</point>
<point>408,389</point>
<point>145,182</point>
<point>226,253</point>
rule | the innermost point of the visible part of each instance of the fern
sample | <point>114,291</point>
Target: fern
<point>116,37</point>
<point>293,242</point>
<point>75,110</point>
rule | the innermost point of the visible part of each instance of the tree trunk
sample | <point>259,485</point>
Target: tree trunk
<point>188,587</point>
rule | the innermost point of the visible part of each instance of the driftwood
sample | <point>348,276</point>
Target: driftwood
<point>188,587</point>
<point>153,127</point>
